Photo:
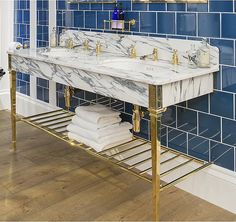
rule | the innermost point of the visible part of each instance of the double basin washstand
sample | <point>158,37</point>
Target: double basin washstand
<point>110,65</point>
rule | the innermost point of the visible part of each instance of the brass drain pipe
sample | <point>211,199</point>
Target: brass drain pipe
<point>68,93</point>
<point>137,117</point>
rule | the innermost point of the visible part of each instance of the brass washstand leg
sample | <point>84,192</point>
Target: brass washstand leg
<point>13,106</point>
<point>68,93</point>
<point>155,111</point>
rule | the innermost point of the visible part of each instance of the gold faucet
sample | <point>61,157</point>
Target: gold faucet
<point>137,116</point>
<point>98,48</point>
<point>175,58</point>
<point>133,53</point>
<point>155,54</point>
<point>70,43</point>
<point>86,44</point>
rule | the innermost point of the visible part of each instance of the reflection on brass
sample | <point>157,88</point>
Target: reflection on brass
<point>69,91</point>
<point>133,53</point>
<point>175,58</point>
<point>137,116</point>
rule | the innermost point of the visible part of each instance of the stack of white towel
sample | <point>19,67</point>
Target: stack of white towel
<point>99,127</point>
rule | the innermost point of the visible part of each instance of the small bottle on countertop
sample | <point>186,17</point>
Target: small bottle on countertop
<point>53,38</point>
<point>115,17</point>
<point>203,55</point>
<point>121,17</point>
<point>192,57</point>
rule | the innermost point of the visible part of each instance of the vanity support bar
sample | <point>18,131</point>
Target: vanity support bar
<point>155,112</point>
<point>12,74</point>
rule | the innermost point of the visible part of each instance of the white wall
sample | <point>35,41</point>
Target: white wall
<point>6,36</point>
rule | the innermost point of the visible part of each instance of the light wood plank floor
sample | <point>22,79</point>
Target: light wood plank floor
<point>48,180</point>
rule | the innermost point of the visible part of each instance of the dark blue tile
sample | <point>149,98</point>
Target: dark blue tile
<point>139,6</point>
<point>177,140</point>
<point>125,4</point>
<point>187,120</point>
<point>157,7</point>
<point>217,80</point>
<point>222,155</point>
<point>226,48</point>
<point>133,15</point>
<point>96,6</point>
<point>221,104</point>
<point>228,21</point>
<point>176,6</point>
<point>163,19</point>
<point>164,136</point>
<point>198,147</point>
<point>42,82</point>
<point>144,130</point>
<point>148,22</point>
<point>101,16</point>
<point>84,6</point>
<point>197,7</point>
<point>209,25</point>
<point>209,126</point>
<point>79,19</point>
<point>199,103</point>
<point>108,6</point>
<point>186,24</point>
<point>169,117</point>
<point>229,131</point>
<point>221,6</point>
<point>90,19</point>
<point>229,79</point>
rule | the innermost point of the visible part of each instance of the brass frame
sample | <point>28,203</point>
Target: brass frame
<point>156,150</point>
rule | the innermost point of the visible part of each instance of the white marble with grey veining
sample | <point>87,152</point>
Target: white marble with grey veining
<point>85,70</point>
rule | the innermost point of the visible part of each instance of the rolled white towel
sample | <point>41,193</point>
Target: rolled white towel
<point>98,135</point>
<point>100,147</point>
<point>104,122</point>
<point>95,113</point>
<point>14,45</point>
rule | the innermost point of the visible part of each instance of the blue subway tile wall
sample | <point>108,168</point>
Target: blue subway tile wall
<point>204,127</point>
<point>197,127</point>
<point>42,23</point>
<point>22,35</point>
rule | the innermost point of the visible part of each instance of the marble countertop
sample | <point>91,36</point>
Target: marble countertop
<point>164,72</point>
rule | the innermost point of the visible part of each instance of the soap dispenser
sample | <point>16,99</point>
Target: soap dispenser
<point>203,55</point>
<point>115,17</point>
<point>53,38</point>
<point>121,17</point>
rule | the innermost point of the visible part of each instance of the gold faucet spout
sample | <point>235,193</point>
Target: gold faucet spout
<point>98,48</point>
<point>175,58</point>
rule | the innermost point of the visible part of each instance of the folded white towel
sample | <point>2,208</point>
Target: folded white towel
<point>88,135</point>
<point>104,122</point>
<point>14,46</point>
<point>95,113</point>
<point>114,129</point>
<point>99,147</point>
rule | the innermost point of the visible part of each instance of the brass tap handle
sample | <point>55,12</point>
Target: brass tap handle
<point>98,47</point>
<point>133,53</point>
<point>70,43</point>
<point>86,44</point>
<point>155,54</point>
<point>175,58</point>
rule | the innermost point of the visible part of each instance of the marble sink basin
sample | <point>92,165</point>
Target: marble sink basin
<point>58,53</point>
<point>132,65</point>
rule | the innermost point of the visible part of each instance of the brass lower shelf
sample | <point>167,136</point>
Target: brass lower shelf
<point>133,156</point>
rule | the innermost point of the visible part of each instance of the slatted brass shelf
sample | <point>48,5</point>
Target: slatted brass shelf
<point>133,156</point>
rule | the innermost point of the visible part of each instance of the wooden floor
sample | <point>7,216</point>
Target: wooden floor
<point>48,180</point>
